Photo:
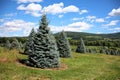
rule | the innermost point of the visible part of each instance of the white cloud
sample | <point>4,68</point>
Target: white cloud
<point>112,23</point>
<point>83,11</point>
<point>11,14</point>
<point>28,1</point>
<point>21,7</point>
<point>71,8</point>
<point>59,8</point>
<point>91,17</point>
<point>107,17</point>
<point>1,20</point>
<point>77,27</point>
<point>60,16</point>
<point>16,26</point>
<point>117,28</point>
<point>33,9</point>
<point>76,19</point>
<point>54,9</point>
<point>115,12</point>
<point>94,19</point>
<point>81,25</point>
<point>100,20</point>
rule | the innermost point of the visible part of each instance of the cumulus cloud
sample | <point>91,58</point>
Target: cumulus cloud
<point>76,19</point>
<point>100,20</point>
<point>115,12</point>
<point>94,19</point>
<point>70,8</point>
<point>10,14</point>
<point>112,23</point>
<point>28,1</point>
<point>77,27</point>
<point>54,9</point>
<point>16,26</point>
<point>91,18</point>
<point>32,8</point>
<point>60,16</point>
<point>117,28</point>
<point>83,11</point>
<point>59,8</point>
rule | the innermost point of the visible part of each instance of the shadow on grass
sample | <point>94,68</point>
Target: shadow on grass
<point>21,52</point>
<point>22,61</point>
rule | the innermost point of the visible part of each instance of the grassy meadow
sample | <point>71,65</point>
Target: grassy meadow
<point>79,67</point>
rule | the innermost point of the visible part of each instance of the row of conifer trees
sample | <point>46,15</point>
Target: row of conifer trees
<point>82,49</point>
<point>15,44</point>
<point>43,49</point>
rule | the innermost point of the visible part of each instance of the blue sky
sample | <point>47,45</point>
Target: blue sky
<point>18,17</point>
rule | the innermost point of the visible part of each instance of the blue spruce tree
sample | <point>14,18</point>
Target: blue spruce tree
<point>15,44</point>
<point>8,45</point>
<point>29,43</point>
<point>44,54</point>
<point>81,47</point>
<point>63,45</point>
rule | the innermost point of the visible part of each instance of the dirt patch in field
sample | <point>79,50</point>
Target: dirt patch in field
<point>4,60</point>
<point>62,66</point>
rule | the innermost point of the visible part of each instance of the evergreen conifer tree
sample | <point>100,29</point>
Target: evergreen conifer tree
<point>21,47</point>
<point>44,54</point>
<point>29,43</point>
<point>15,44</point>
<point>81,47</point>
<point>63,45</point>
<point>8,45</point>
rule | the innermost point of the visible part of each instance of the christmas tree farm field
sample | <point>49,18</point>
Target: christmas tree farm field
<point>79,67</point>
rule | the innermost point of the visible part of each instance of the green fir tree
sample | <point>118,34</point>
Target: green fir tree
<point>63,45</point>
<point>45,54</point>
<point>81,47</point>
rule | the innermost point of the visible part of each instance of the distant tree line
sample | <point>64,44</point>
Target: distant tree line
<point>108,43</point>
<point>3,40</point>
<point>81,48</point>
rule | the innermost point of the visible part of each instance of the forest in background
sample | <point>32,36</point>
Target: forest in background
<point>90,39</point>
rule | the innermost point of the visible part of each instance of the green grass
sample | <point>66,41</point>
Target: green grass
<point>79,67</point>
